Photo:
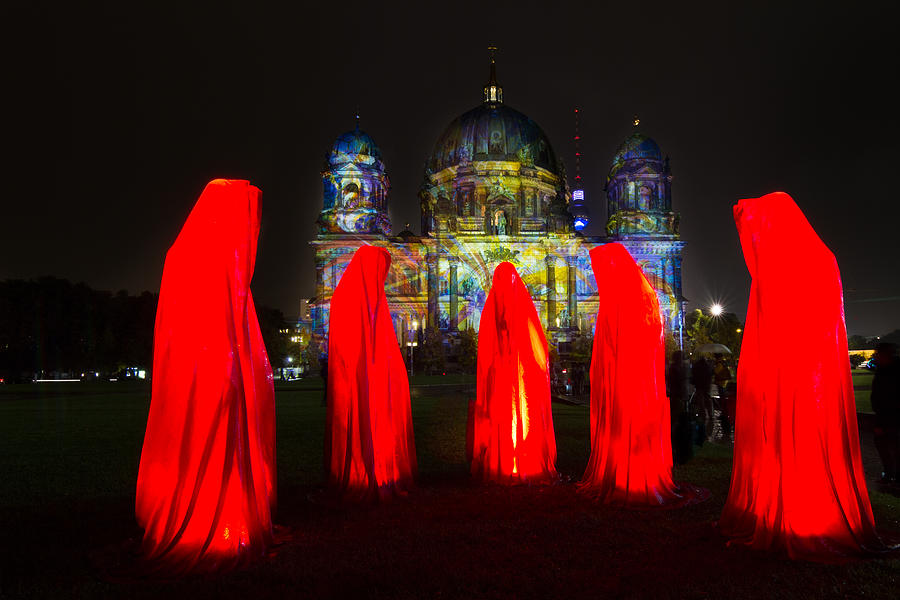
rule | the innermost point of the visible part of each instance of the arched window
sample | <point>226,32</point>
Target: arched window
<point>350,195</point>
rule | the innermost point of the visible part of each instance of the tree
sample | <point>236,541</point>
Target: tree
<point>726,329</point>
<point>272,325</point>
<point>858,342</point>
<point>431,355</point>
<point>312,354</point>
<point>468,350</point>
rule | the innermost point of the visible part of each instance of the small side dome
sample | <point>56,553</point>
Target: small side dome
<point>637,146</point>
<point>354,146</point>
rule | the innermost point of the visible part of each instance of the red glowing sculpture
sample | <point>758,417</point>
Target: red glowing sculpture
<point>797,484</point>
<point>512,438</point>
<point>206,484</point>
<point>370,451</point>
<point>631,448</point>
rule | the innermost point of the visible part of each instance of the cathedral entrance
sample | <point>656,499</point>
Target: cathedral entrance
<point>499,223</point>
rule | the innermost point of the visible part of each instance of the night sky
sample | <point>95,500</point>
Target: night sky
<point>122,115</point>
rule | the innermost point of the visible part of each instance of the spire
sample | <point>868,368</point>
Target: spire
<point>578,207</point>
<point>577,153</point>
<point>493,93</point>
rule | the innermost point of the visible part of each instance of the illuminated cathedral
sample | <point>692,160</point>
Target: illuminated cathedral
<point>494,191</point>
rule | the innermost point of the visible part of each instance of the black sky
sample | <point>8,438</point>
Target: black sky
<point>123,113</point>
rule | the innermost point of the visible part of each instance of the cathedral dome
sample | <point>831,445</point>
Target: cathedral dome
<point>637,146</point>
<point>493,131</point>
<point>354,146</point>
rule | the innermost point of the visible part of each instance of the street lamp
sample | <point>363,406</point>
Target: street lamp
<point>412,342</point>
<point>716,310</point>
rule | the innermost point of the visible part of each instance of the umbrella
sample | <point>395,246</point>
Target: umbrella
<point>713,349</point>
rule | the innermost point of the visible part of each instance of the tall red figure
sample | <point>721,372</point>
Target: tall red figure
<point>206,485</point>
<point>512,430</point>
<point>370,451</point>
<point>631,447</point>
<point>797,483</point>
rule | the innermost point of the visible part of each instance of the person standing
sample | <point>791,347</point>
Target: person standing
<point>701,378</point>
<point>676,389</point>
<point>886,404</point>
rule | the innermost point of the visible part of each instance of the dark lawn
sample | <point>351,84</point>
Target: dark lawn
<point>68,463</point>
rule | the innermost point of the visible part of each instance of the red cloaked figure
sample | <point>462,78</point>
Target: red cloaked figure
<point>797,482</point>
<point>512,439</point>
<point>206,484</point>
<point>370,451</point>
<point>631,447</point>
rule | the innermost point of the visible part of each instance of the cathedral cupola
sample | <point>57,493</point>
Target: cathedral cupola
<point>639,190</point>
<point>355,186</point>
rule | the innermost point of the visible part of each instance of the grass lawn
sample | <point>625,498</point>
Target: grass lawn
<point>862,389</point>
<point>68,463</point>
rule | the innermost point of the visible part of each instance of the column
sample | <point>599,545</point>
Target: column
<point>676,269</point>
<point>571,262</point>
<point>431,259</point>
<point>551,290</point>
<point>318,325</point>
<point>454,302</point>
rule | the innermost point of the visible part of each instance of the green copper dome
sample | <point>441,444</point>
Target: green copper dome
<point>493,131</point>
<point>354,146</point>
<point>637,146</point>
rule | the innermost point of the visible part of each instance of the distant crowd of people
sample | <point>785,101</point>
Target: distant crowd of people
<point>707,412</point>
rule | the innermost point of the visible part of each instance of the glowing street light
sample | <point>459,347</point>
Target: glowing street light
<point>716,310</point>
<point>412,342</point>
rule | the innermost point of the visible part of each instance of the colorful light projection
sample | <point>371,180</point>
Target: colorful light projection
<point>355,187</point>
<point>474,260</point>
<point>631,448</point>
<point>797,484</point>
<point>512,439</point>
<point>206,484</point>
<point>369,445</point>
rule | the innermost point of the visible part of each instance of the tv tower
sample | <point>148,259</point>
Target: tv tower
<point>578,206</point>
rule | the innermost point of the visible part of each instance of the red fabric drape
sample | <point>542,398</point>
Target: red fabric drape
<point>797,482</point>
<point>631,448</point>
<point>512,430</point>
<point>206,484</point>
<point>369,446</point>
